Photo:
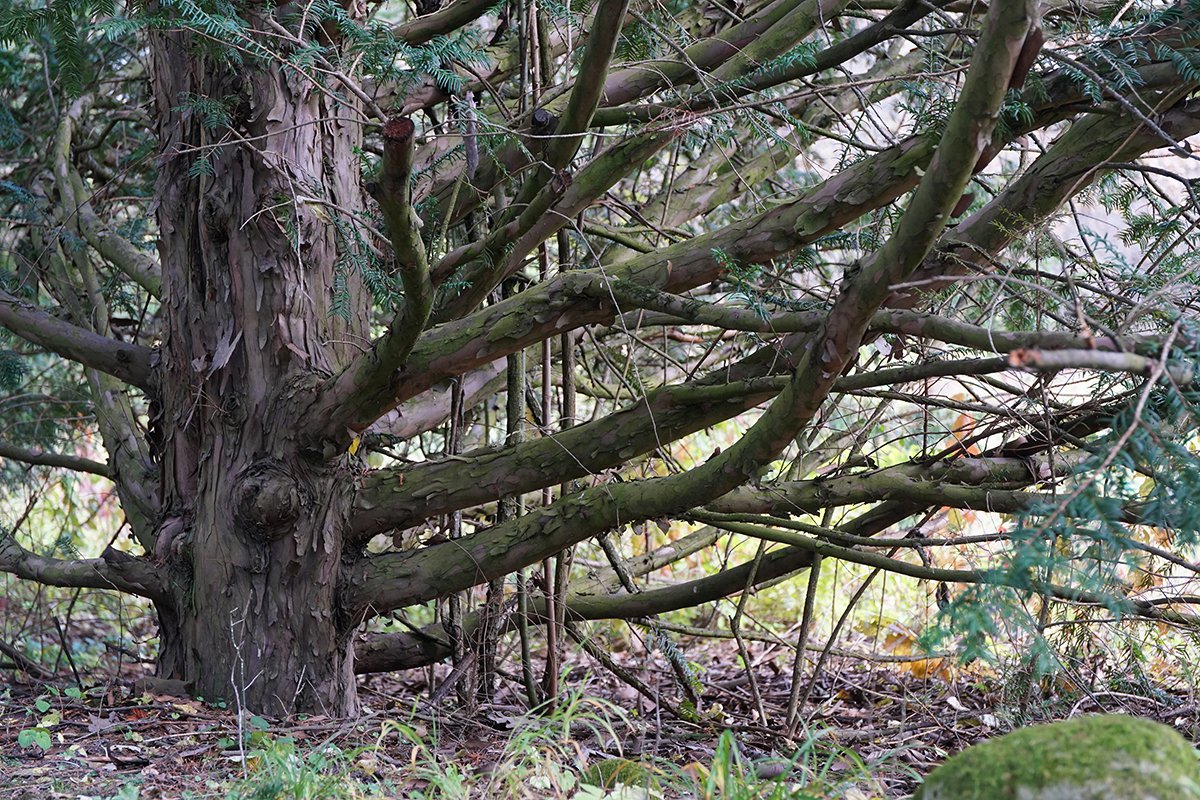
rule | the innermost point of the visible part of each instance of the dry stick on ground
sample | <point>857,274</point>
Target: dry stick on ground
<point>812,647</point>
<point>622,674</point>
<point>24,662</point>
<point>674,658</point>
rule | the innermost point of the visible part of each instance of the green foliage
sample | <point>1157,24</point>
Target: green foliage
<point>639,41</point>
<point>431,59</point>
<point>35,737</point>
<point>12,370</point>
<point>279,770</point>
<point>213,114</point>
<point>1084,540</point>
<point>59,20</point>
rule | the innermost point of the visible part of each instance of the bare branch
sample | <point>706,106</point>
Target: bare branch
<point>445,20</point>
<point>128,362</point>
<point>354,398</point>
<point>1043,360</point>
<point>114,570</point>
<point>42,458</point>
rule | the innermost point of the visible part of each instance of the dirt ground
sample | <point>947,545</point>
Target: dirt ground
<point>893,721</point>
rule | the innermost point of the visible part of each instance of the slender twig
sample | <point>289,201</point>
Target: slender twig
<point>810,596</point>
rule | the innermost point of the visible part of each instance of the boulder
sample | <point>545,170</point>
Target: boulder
<point>1102,757</point>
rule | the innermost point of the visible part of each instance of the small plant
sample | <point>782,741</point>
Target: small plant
<point>808,775</point>
<point>278,770</point>
<point>543,751</point>
<point>34,737</point>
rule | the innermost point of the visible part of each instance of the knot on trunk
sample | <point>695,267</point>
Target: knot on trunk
<point>269,501</point>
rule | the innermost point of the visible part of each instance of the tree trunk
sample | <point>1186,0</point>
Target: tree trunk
<point>260,209</point>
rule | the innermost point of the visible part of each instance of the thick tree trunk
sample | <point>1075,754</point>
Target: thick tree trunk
<point>259,621</point>
<point>259,201</point>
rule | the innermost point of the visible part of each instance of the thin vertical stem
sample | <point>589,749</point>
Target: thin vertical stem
<point>549,578</point>
<point>810,596</point>
<point>562,562</point>
<point>511,508</point>
<point>465,691</point>
<point>735,627</point>
<point>837,629</point>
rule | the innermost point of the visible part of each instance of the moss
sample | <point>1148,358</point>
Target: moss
<point>1087,758</point>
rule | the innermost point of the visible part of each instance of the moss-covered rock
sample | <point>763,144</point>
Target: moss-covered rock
<point>1103,757</point>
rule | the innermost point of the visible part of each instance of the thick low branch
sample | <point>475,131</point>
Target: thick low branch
<point>404,651</point>
<point>128,362</point>
<point>407,650</point>
<point>114,570</point>
<point>43,458</point>
<point>403,497</point>
<point>420,30</point>
<point>390,581</point>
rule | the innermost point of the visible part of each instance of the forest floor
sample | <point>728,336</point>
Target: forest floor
<point>872,730</point>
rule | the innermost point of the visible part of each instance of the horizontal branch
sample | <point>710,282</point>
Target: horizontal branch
<point>128,362</point>
<point>1048,361</point>
<point>420,30</point>
<point>403,497</point>
<point>42,458</point>
<point>113,570</point>
<point>407,650</point>
<point>404,651</point>
<point>679,310</point>
<point>1141,608</point>
<point>1066,168</point>
<point>933,484</point>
